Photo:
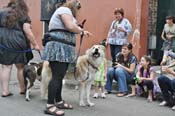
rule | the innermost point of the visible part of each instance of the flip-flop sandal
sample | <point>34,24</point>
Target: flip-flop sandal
<point>64,105</point>
<point>130,95</point>
<point>9,94</point>
<point>47,111</point>
<point>121,94</point>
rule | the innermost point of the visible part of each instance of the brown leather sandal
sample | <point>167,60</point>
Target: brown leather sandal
<point>55,112</point>
<point>64,105</point>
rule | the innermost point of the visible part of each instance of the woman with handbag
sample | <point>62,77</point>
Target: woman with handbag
<point>60,52</point>
<point>15,31</point>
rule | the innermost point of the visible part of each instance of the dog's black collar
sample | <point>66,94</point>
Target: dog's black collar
<point>92,65</point>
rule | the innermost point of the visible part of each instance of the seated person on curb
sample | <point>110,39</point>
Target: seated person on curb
<point>167,86</point>
<point>123,70</point>
<point>145,77</point>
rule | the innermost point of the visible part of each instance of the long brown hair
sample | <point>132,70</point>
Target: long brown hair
<point>18,9</point>
<point>74,5</point>
<point>148,59</point>
<point>120,57</point>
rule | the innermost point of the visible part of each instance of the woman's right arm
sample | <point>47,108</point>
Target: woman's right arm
<point>30,36</point>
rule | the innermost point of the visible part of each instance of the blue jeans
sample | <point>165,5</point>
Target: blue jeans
<point>167,87</point>
<point>121,76</point>
<point>115,49</point>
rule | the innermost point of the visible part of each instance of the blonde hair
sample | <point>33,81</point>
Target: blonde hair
<point>73,5</point>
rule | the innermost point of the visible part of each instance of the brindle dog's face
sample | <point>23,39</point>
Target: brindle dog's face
<point>38,66</point>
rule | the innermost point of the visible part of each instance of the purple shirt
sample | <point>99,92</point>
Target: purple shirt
<point>145,73</point>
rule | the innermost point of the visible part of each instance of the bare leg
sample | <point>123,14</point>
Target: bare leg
<point>103,89</point>
<point>96,89</point>
<point>5,78</point>
<point>133,91</point>
<point>20,77</point>
<point>103,92</point>
<point>150,95</point>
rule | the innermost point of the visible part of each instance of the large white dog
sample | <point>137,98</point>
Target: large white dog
<point>86,68</point>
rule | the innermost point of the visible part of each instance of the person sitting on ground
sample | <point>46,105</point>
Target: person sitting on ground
<point>123,70</point>
<point>167,86</point>
<point>145,77</point>
<point>166,56</point>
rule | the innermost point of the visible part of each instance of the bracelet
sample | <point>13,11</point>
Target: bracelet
<point>82,33</point>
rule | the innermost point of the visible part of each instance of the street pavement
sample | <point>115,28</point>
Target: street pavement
<point>111,106</point>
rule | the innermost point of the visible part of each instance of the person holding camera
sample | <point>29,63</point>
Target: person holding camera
<point>118,32</point>
<point>123,70</point>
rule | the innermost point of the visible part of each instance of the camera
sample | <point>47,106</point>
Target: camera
<point>114,64</point>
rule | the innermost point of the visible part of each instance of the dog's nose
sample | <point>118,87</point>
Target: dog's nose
<point>96,50</point>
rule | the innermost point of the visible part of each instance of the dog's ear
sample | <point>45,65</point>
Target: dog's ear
<point>87,51</point>
<point>102,47</point>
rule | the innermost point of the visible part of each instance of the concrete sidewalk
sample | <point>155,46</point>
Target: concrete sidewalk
<point>111,106</point>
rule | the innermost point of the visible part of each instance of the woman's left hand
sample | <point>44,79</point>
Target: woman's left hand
<point>36,47</point>
<point>140,80</point>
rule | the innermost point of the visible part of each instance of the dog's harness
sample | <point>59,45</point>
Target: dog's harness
<point>94,67</point>
<point>89,63</point>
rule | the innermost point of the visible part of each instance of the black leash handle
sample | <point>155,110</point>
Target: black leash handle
<point>81,41</point>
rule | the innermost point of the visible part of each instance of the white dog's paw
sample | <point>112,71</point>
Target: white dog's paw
<point>76,87</point>
<point>27,99</point>
<point>82,104</point>
<point>91,104</point>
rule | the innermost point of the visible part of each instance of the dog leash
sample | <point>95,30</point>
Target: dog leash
<point>81,41</point>
<point>19,51</point>
<point>40,54</point>
<point>13,50</point>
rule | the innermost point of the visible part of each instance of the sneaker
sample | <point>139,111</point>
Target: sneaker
<point>173,108</point>
<point>103,95</point>
<point>163,103</point>
<point>95,95</point>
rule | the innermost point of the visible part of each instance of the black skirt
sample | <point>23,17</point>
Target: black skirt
<point>12,45</point>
